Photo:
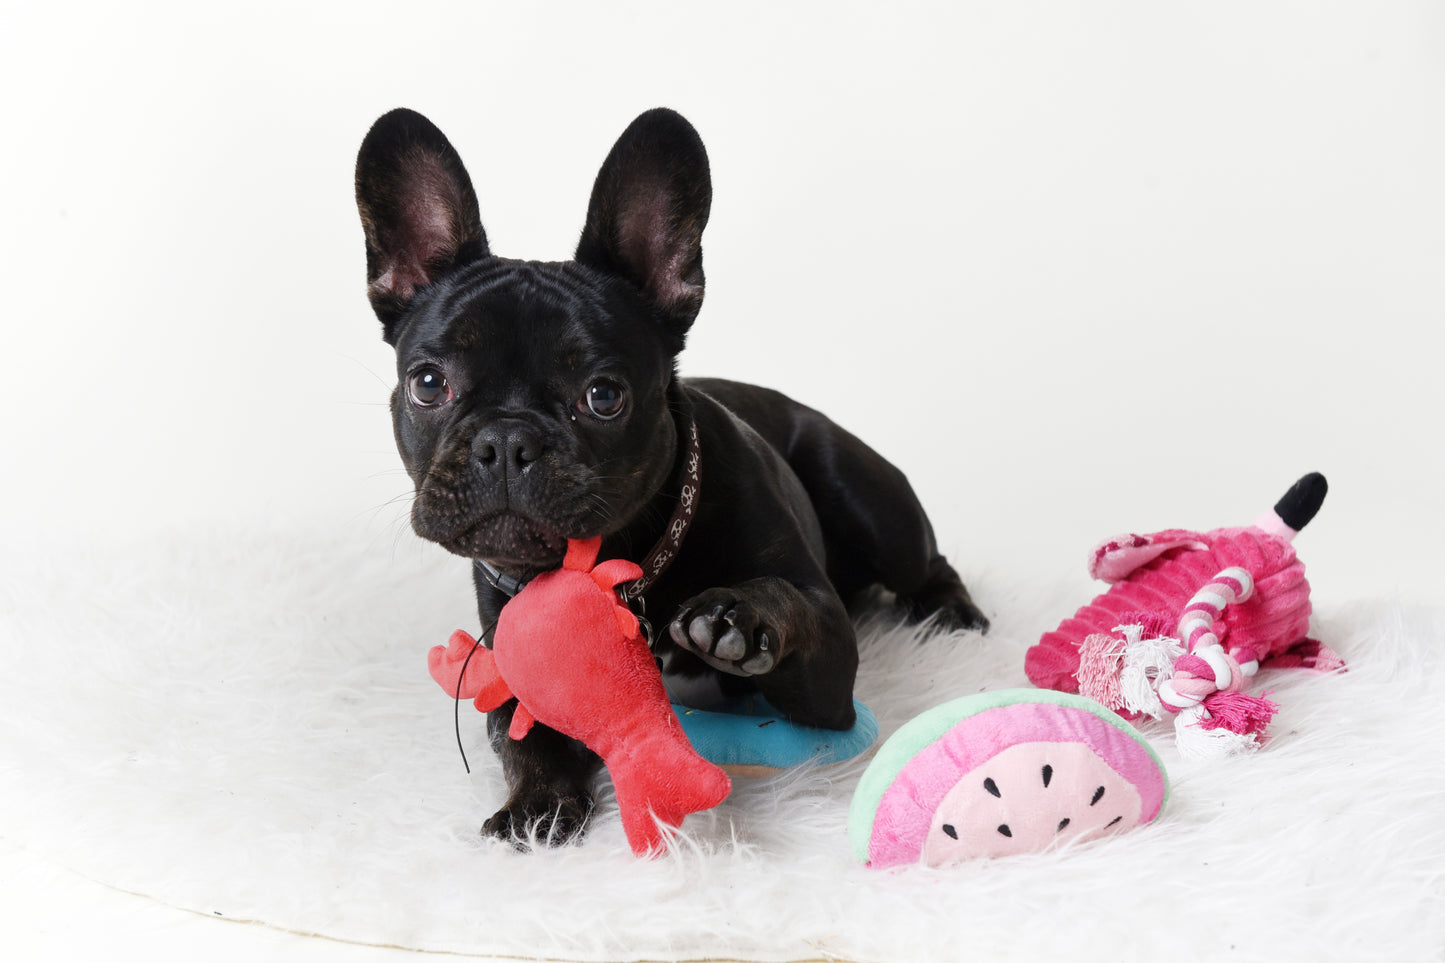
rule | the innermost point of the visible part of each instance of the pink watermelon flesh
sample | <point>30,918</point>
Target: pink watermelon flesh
<point>1028,797</point>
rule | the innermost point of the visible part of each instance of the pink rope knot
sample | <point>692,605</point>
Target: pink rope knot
<point>1208,668</point>
<point>1196,685</point>
<point>1203,685</point>
<point>1199,675</point>
<point>1208,676</point>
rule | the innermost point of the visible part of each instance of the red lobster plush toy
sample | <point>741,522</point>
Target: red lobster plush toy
<point>1190,618</point>
<point>574,658</point>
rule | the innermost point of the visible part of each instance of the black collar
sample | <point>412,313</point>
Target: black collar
<point>662,554</point>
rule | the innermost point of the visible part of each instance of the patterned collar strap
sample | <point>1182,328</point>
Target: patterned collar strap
<point>667,547</point>
<point>662,553</point>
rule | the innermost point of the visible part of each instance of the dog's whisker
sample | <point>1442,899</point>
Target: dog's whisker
<point>388,385</point>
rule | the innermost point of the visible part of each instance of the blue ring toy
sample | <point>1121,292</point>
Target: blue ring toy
<point>749,737</point>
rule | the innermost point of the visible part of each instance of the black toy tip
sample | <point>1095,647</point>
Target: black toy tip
<point>1302,502</point>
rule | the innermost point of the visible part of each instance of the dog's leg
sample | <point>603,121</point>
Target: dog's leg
<point>549,778</point>
<point>796,643</point>
<point>877,532</point>
<point>549,775</point>
<point>942,595</point>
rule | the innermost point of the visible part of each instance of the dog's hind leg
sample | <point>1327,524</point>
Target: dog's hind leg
<point>943,594</point>
<point>875,531</point>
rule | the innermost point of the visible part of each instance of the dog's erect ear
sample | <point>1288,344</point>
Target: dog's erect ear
<point>417,208</point>
<point>648,208</point>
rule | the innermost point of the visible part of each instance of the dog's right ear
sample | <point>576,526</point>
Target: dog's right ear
<point>649,205</point>
<point>418,210</point>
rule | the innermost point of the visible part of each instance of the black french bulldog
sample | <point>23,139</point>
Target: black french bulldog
<point>539,402</point>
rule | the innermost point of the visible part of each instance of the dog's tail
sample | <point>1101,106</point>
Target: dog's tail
<point>1294,511</point>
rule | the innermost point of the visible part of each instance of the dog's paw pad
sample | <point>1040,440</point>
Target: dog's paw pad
<point>726,635</point>
<point>702,631</point>
<point>732,646</point>
<point>763,661</point>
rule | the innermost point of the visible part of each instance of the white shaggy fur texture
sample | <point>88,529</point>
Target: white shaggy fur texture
<point>242,724</point>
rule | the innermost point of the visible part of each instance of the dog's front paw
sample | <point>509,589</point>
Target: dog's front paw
<point>726,633</point>
<point>549,820</point>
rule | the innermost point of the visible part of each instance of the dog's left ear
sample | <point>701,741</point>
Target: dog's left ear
<point>648,208</point>
<point>418,211</point>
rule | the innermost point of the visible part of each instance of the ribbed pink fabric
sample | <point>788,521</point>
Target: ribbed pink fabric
<point>1271,622</point>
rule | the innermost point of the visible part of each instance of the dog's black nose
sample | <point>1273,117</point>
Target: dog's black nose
<point>506,447</point>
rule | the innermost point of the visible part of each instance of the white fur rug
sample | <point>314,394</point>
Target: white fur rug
<point>243,725</point>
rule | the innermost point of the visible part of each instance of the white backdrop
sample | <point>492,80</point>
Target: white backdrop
<point>1078,269</point>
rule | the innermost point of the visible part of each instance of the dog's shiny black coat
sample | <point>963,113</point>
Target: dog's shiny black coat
<point>539,402</point>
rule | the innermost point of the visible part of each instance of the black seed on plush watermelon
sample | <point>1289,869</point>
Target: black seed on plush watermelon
<point>1098,794</point>
<point>1048,774</point>
<point>1005,831</point>
<point>1062,823</point>
<point>949,831</point>
<point>992,787</point>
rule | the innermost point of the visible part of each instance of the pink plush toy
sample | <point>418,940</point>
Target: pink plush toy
<point>574,658</point>
<point>1189,620</point>
<point>1000,773</point>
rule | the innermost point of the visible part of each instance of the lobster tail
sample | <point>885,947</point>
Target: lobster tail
<point>1302,502</point>
<point>674,782</point>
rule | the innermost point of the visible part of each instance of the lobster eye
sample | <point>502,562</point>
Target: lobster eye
<point>428,388</point>
<point>605,399</point>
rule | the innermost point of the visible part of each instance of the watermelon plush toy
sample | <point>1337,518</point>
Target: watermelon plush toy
<point>1001,773</point>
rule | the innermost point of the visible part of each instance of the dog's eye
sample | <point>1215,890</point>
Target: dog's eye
<point>428,388</point>
<point>605,399</point>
